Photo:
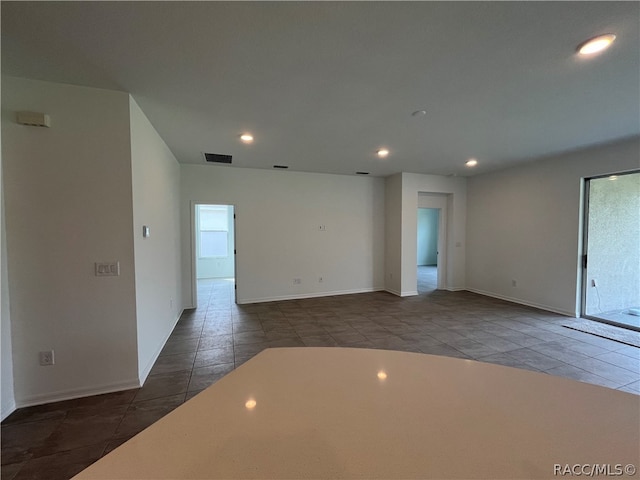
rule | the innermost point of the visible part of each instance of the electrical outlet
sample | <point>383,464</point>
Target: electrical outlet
<point>47,358</point>
<point>297,281</point>
<point>594,283</point>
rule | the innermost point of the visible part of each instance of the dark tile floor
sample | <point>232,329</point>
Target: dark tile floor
<point>427,278</point>
<point>56,441</point>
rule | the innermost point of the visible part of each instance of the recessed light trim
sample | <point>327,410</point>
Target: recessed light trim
<point>596,44</point>
<point>382,153</point>
<point>419,113</point>
<point>362,173</point>
<point>246,138</point>
<point>281,167</point>
<point>472,162</point>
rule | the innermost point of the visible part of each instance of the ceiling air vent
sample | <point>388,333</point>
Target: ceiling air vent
<point>217,158</point>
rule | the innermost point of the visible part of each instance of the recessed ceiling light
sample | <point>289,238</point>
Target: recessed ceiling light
<point>383,152</point>
<point>613,177</point>
<point>596,44</point>
<point>419,113</point>
<point>472,162</point>
<point>246,138</point>
<point>281,167</point>
<point>362,173</point>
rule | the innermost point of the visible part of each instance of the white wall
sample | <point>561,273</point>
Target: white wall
<point>68,204</point>
<point>455,189</point>
<point>524,224</point>
<point>7,400</point>
<point>156,199</point>
<point>278,215</point>
<point>393,234</point>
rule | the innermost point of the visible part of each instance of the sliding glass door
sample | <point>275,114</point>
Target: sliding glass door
<point>611,266</point>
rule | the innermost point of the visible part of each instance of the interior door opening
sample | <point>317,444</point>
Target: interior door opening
<point>427,251</point>
<point>214,252</point>
<point>611,255</point>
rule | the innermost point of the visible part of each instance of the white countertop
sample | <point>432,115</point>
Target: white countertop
<point>303,413</point>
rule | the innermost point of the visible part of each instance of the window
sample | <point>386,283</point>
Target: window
<point>213,230</point>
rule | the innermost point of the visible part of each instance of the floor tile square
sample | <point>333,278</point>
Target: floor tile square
<point>173,363</point>
<point>204,377</point>
<point>214,356</point>
<point>163,385</point>
<point>141,414</point>
<point>62,465</point>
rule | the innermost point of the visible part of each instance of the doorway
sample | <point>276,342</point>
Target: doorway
<point>611,251</point>
<point>213,252</point>
<point>427,249</point>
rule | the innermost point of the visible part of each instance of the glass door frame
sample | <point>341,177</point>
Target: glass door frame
<point>584,280</point>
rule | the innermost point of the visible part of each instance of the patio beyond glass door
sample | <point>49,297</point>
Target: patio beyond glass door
<point>611,275</point>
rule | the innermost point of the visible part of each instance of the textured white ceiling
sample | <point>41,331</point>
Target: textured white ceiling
<point>322,85</point>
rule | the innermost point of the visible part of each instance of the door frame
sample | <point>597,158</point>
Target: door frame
<point>583,278</point>
<point>194,252</point>
<point>441,204</point>
<point>439,245</point>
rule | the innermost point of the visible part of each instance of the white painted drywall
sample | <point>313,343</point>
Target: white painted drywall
<point>68,204</point>
<point>427,236</point>
<point>393,234</point>
<point>455,189</point>
<point>524,224</point>
<point>156,204</point>
<point>8,404</point>
<point>7,398</point>
<point>278,236</point>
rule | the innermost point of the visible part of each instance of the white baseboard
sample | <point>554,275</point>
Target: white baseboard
<point>412,293</point>
<point>147,369</point>
<point>7,410</point>
<point>308,295</point>
<point>40,399</point>
<point>455,289</point>
<point>523,302</point>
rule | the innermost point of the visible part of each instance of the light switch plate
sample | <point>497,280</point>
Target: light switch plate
<point>107,269</point>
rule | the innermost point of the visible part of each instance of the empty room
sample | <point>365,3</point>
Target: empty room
<point>320,239</point>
